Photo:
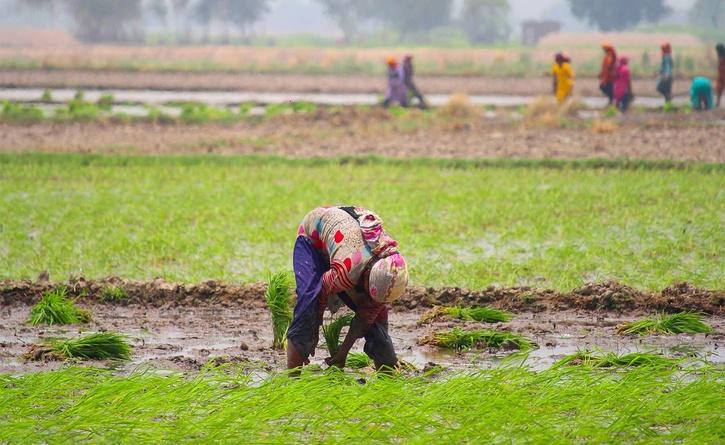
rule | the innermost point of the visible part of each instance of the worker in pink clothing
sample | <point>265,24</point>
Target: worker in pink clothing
<point>623,95</point>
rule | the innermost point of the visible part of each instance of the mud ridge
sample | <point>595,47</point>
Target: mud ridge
<point>608,296</point>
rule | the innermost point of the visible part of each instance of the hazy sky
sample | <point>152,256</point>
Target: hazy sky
<point>296,16</point>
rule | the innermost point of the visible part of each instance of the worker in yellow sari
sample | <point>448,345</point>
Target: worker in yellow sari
<point>563,77</point>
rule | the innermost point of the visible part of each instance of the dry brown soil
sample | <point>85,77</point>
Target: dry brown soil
<point>351,131</point>
<point>176,326</point>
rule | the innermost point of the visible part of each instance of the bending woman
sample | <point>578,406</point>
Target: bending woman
<point>343,252</point>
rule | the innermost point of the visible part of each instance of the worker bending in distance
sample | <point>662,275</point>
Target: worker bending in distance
<point>410,84</point>
<point>396,91</point>
<point>344,252</point>
<point>701,94</point>
<point>563,78</point>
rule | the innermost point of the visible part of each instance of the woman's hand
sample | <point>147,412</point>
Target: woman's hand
<point>338,360</point>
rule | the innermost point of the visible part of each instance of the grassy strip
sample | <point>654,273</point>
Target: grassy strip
<point>681,323</point>
<point>278,296</point>
<point>56,308</point>
<point>598,359</point>
<point>191,219</point>
<point>570,405</point>
<point>461,339</point>
<point>96,346</point>
<point>100,160</point>
<point>481,314</point>
<point>332,332</point>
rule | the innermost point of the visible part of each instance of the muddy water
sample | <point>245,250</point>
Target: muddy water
<point>185,337</point>
<point>223,98</point>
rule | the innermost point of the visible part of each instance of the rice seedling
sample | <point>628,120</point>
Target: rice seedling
<point>598,359</point>
<point>105,102</point>
<point>481,314</point>
<point>47,96</point>
<point>332,332</point>
<point>20,113</point>
<point>56,308</point>
<point>358,360</point>
<point>680,323</point>
<point>572,404</point>
<point>279,290</point>
<point>113,294</point>
<point>96,346</point>
<point>460,339</point>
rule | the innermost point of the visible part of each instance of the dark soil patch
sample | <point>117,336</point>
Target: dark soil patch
<point>605,296</point>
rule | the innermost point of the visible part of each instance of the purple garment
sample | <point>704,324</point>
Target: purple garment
<point>309,267</point>
<point>396,91</point>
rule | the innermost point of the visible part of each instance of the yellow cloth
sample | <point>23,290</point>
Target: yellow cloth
<point>564,75</point>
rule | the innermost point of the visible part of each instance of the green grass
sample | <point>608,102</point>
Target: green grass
<point>481,314</point>
<point>332,331</point>
<point>569,405</point>
<point>55,308</point>
<point>278,295</point>
<point>461,339</point>
<point>548,223</point>
<point>96,346</point>
<point>113,294</point>
<point>681,323</point>
<point>599,359</point>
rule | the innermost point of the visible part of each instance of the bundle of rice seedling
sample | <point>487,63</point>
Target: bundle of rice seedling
<point>680,323</point>
<point>482,314</point>
<point>56,308</point>
<point>358,360</point>
<point>610,359</point>
<point>96,346</point>
<point>278,300</point>
<point>332,332</point>
<point>460,339</point>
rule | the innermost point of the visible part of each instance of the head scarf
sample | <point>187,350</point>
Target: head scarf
<point>388,278</point>
<point>624,60</point>
<point>392,62</point>
<point>560,58</point>
<point>720,48</point>
<point>666,48</point>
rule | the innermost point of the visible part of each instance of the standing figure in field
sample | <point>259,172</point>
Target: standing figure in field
<point>344,252</point>
<point>410,84</point>
<point>608,71</point>
<point>666,76</point>
<point>396,92</point>
<point>623,94</point>
<point>720,87</point>
<point>701,94</point>
<point>563,78</point>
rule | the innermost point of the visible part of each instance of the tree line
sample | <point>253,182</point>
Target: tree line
<point>481,21</point>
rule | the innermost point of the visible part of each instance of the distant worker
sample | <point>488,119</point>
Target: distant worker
<point>344,252</point>
<point>563,77</point>
<point>720,71</point>
<point>396,92</point>
<point>410,84</point>
<point>666,76</point>
<point>701,94</point>
<point>623,94</point>
<point>608,72</point>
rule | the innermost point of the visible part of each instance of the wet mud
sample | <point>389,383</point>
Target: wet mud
<point>185,326</point>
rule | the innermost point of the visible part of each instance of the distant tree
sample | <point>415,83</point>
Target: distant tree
<point>347,14</point>
<point>485,21</point>
<point>106,20</point>
<point>410,16</point>
<point>159,9</point>
<point>710,13</point>
<point>616,15</point>
<point>239,14</point>
<point>180,12</point>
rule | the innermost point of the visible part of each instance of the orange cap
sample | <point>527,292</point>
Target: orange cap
<point>391,61</point>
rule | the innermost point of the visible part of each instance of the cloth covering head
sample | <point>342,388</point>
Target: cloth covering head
<point>720,48</point>
<point>391,61</point>
<point>666,48</point>
<point>388,278</point>
<point>560,57</point>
